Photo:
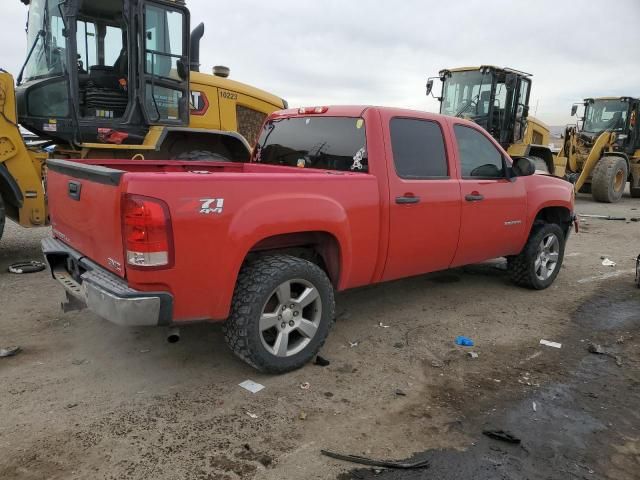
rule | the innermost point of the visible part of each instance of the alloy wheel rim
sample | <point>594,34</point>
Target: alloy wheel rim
<point>290,317</point>
<point>547,257</point>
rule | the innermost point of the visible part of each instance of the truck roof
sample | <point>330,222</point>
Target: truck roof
<point>609,98</point>
<point>352,111</point>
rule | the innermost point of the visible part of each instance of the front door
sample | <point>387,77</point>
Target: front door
<point>424,199</point>
<point>493,206</point>
<point>165,64</point>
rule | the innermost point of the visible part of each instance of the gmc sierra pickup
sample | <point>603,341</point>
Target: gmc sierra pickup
<point>333,198</point>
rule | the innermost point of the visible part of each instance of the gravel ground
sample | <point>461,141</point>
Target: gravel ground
<point>88,399</point>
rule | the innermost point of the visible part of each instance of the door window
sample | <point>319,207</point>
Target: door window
<point>87,45</point>
<point>479,158</point>
<point>418,149</point>
<point>163,31</point>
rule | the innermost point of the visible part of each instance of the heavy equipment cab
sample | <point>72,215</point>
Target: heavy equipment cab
<point>498,100</point>
<point>114,64</point>
<point>601,151</point>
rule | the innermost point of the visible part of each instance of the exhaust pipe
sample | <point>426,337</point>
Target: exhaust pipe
<point>194,47</point>
<point>173,335</point>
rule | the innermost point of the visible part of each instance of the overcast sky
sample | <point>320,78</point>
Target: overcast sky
<point>381,52</point>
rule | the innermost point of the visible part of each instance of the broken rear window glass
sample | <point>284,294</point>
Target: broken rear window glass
<point>328,143</point>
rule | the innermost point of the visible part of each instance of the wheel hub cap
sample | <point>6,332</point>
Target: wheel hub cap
<point>547,257</point>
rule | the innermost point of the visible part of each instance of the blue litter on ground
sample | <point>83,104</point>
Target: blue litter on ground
<point>464,341</point>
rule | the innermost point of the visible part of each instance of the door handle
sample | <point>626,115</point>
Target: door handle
<point>474,197</point>
<point>407,200</point>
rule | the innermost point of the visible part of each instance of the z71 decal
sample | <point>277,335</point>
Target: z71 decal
<point>211,205</point>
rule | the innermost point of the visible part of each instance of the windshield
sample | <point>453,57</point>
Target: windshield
<point>48,56</point>
<point>604,115</point>
<point>330,143</point>
<point>466,94</point>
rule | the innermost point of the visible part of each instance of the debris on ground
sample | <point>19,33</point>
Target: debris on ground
<point>29,266</point>
<point>9,351</point>
<point>321,361</point>
<point>382,325</point>
<point>80,361</point>
<point>252,386</point>
<point>534,405</point>
<point>400,393</point>
<point>252,415</point>
<point>472,354</point>
<point>71,405</point>
<point>398,345</point>
<point>404,465</point>
<point>502,435</point>
<point>608,263</point>
<point>550,344</point>
<point>146,350</point>
<point>602,217</point>
<point>302,416</point>
<point>305,386</point>
<point>353,344</point>
<point>464,341</point>
<point>437,364</point>
<point>600,350</point>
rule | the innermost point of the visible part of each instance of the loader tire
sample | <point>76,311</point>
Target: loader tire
<point>539,263</point>
<point>202,156</point>
<point>609,179</point>
<point>282,310</point>
<point>2,217</point>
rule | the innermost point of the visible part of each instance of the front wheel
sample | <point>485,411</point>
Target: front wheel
<point>609,179</point>
<point>283,308</point>
<point>538,265</point>
<point>2,217</point>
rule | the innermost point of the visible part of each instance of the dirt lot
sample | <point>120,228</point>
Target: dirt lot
<point>87,399</point>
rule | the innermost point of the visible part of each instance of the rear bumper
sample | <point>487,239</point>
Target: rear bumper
<point>89,285</point>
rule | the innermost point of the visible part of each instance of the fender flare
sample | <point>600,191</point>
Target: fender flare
<point>241,147</point>
<point>9,188</point>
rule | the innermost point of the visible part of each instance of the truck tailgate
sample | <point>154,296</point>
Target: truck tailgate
<point>86,211</point>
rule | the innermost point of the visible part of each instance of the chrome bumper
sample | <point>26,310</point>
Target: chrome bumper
<point>89,285</point>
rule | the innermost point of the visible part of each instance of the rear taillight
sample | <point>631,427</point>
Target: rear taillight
<point>147,232</point>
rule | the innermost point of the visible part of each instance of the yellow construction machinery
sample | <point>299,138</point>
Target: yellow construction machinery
<point>601,152</point>
<point>115,79</point>
<point>498,100</point>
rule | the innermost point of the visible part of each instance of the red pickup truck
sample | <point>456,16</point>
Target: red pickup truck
<point>333,198</point>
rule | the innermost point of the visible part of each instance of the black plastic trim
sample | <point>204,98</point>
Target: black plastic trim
<point>93,173</point>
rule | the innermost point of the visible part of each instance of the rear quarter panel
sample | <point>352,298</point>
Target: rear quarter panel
<point>210,248</point>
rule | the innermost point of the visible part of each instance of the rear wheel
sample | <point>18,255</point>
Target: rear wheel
<point>538,265</point>
<point>609,179</point>
<point>2,216</point>
<point>283,308</point>
<point>203,156</point>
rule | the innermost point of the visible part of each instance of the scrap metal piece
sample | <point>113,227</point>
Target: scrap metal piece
<point>403,465</point>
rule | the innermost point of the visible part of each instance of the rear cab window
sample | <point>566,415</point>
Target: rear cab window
<point>327,143</point>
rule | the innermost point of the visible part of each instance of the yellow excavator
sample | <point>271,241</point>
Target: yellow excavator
<point>601,152</point>
<point>115,79</point>
<point>497,99</point>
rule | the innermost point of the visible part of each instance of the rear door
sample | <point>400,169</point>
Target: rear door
<point>424,199</point>
<point>493,206</point>
<point>84,205</point>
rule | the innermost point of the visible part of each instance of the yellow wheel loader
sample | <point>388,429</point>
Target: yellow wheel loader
<point>602,151</point>
<point>498,100</point>
<point>115,79</point>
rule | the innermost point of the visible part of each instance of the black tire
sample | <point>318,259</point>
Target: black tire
<point>256,287</point>
<point>202,156</point>
<point>540,164</point>
<point>522,267</point>
<point>586,188</point>
<point>2,217</point>
<point>609,179</point>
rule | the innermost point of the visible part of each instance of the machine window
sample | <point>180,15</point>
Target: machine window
<point>478,156</point>
<point>418,149</point>
<point>164,32</point>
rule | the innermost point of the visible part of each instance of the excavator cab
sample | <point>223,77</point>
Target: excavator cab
<point>104,66</point>
<point>495,98</point>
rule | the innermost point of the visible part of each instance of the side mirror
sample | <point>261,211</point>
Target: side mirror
<point>429,86</point>
<point>574,110</point>
<point>523,167</point>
